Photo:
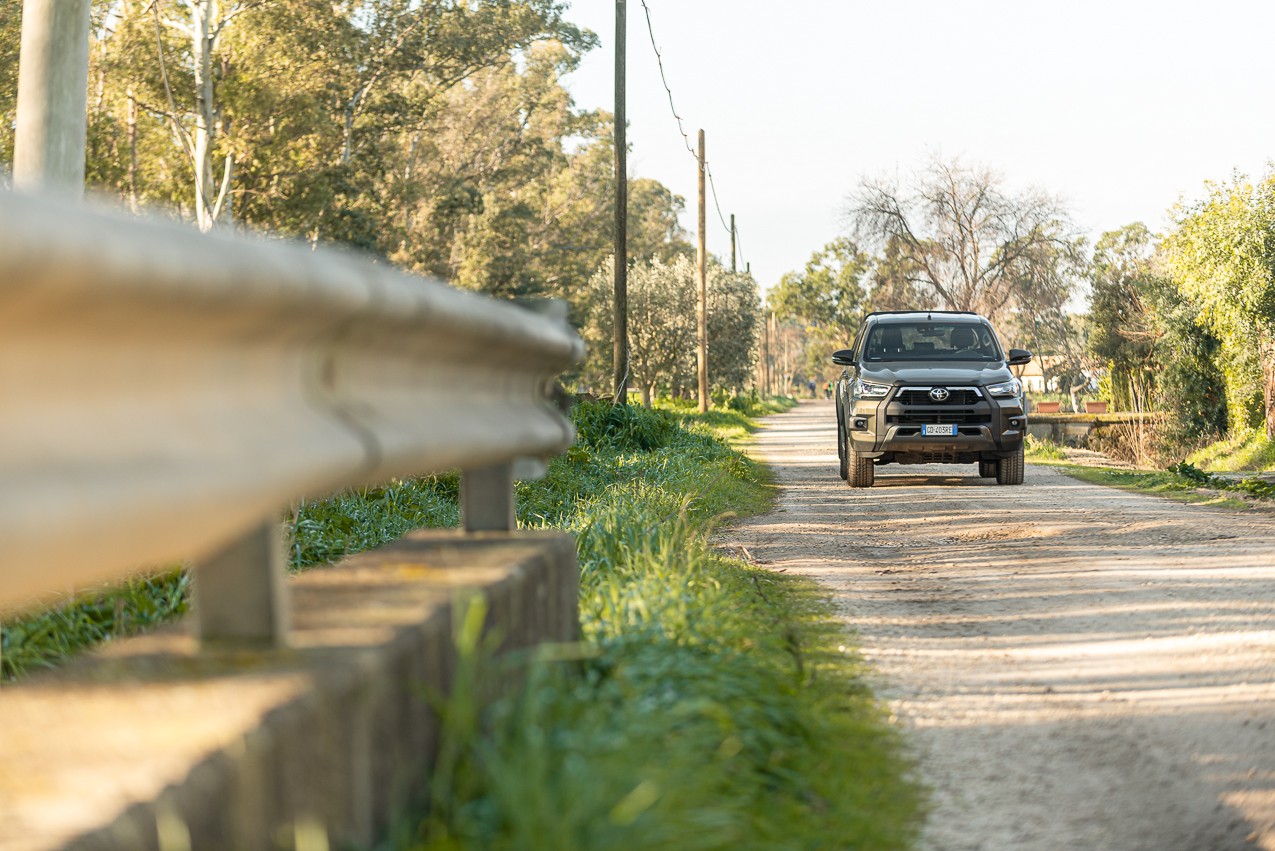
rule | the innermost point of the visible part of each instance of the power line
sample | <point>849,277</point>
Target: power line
<point>681,128</point>
<point>713,191</point>
<point>659,60</point>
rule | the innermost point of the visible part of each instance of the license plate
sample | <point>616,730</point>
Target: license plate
<point>931,430</point>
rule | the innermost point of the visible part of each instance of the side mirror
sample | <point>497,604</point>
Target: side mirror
<point>1017,357</point>
<point>844,357</point>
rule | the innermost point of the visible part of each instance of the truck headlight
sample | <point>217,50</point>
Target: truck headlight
<point>1013,387</point>
<point>867,390</point>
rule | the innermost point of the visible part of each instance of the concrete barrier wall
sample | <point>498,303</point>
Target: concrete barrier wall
<point>154,744</point>
<point>1075,429</point>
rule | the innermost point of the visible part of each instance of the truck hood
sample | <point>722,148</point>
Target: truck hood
<point>937,372</point>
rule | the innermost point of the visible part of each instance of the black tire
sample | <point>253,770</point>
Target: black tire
<point>1009,471</point>
<point>859,470</point>
<point>987,469</point>
<point>841,449</point>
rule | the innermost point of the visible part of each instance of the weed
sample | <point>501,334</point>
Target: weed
<point>1046,450</point>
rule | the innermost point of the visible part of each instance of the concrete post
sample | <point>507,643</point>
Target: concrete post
<point>53,72</point>
<point>487,499</point>
<point>239,592</point>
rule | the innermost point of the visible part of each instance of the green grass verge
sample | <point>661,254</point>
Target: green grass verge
<point>713,704</point>
<point>1042,450</point>
<point>1182,483</point>
<point>43,639</point>
<point>1243,451</point>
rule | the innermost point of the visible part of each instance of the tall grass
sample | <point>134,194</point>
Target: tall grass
<point>713,704</point>
<point>1244,450</point>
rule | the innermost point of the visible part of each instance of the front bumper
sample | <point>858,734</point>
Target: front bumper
<point>891,429</point>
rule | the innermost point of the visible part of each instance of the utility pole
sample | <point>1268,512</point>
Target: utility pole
<point>702,311</point>
<point>621,348</point>
<point>53,71</point>
<point>732,244</point>
<point>765,360</point>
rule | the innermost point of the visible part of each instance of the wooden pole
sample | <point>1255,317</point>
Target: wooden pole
<point>702,311</point>
<point>53,70</point>
<point>621,346</point>
<point>766,356</point>
<point>732,244</point>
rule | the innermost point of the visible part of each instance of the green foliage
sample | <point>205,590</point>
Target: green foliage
<point>1043,450</point>
<point>1251,485</point>
<point>326,530</point>
<point>44,639</point>
<point>711,705</point>
<point>1121,332</point>
<point>1222,254</point>
<point>663,326</point>
<point>1145,333</point>
<point>10,40</point>
<point>828,292</point>
<point>1183,482</point>
<point>1240,450</point>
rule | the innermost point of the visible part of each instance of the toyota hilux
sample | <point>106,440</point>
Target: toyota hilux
<point>927,387</point>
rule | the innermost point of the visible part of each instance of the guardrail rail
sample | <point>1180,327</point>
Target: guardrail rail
<point>165,394</point>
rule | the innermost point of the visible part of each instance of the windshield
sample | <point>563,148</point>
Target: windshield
<point>931,341</point>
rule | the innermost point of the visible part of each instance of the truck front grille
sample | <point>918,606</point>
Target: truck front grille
<point>921,416</point>
<point>921,396</point>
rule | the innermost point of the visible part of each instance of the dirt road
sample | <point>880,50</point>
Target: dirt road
<point>1075,667</point>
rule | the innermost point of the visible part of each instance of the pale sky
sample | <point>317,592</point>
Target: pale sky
<point>1118,106</point>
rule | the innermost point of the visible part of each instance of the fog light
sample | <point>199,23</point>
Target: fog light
<point>860,423</point>
<point>1015,422</point>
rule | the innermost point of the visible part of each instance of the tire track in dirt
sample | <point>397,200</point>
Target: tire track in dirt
<point>1074,666</point>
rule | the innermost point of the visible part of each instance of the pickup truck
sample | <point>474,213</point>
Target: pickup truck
<point>927,387</point>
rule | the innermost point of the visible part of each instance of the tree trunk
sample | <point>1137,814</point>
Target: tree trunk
<point>1268,389</point>
<point>133,203</point>
<point>202,28</point>
<point>647,393</point>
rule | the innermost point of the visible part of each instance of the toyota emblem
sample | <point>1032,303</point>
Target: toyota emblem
<point>939,394</point>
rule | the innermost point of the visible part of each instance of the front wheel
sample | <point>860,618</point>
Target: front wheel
<point>859,470</point>
<point>987,469</point>
<point>1009,471</point>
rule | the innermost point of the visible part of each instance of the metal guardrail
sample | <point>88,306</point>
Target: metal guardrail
<point>164,395</point>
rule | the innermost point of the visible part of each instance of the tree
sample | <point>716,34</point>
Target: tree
<point>962,240</point>
<point>10,39</point>
<point>663,325</point>
<point>1121,325</point>
<point>734,308</point>
<point>828,291</point>
<point>662,322</point>
<point>1222,257</point>
<point>825,300</point>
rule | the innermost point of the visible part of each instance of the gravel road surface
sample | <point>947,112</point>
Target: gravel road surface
<point>1074,667</point>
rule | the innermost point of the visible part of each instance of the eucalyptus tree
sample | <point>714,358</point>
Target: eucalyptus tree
<point>10,39</point>
<point>825,299</point>
<point>828,291</point>
<point>1122,329</point>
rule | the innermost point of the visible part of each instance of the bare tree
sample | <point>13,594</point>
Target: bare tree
<point>955,233</point>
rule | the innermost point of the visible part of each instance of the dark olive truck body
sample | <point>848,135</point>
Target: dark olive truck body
<point>923,400</point>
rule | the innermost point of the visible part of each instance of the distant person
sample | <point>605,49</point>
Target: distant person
<point>812,389</point>
<point>827,390</point>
